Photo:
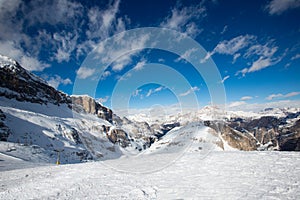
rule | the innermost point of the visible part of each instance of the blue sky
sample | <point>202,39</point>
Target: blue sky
<point>254,44</point>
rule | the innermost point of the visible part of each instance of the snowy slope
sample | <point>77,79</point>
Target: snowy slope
<point>50,128</point>
<point>219,175</point>
<point>193,137</point>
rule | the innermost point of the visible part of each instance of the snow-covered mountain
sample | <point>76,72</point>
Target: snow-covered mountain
<point>269,129</point>
<point>40,124</point>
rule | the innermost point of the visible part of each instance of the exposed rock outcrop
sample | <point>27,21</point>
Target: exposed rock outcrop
<point>18,83</point>
<point>4,130</point>
<point>91,106</point>
<point>290,141</point>
<point>275,133</point>
<point>118,136</point>
<point>236,139</point>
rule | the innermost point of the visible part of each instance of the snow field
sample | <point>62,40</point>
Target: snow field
<point>219,175</point>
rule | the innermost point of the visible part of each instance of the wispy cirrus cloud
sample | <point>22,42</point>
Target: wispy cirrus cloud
<point>152,91</point>
<point>277,7</point>
<point>279,95</point>
<point>246,98</point>
<point>297,56</point>
<point>231,47</point>
<point>186,55</point>
<point>15,51</point>
<point>182,19</point>
<point>85,72</point>
<point>264,56</point>
<point>225,78</point>
<point>137,92</point>
<point>251,49</point>
<point>139,65</point>
<point>57,80</point>
<point>256,107</point>
<point>68,32</point>
<point>103,99</point>
<point>189,91</point>
<point>236,104</point>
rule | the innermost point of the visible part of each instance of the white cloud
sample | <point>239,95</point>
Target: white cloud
<point>151,91</point>
<point>266,57</point>
<point>59,16</point>
<point>256,107</point>
<point>124,77</point>
<point>266,50</point>
<point>140,65</point>
<point>297,56</point>
<point>57,80</point>
<point>103,22</point>
<point>245,98</point>
<point>119,52</point>
<point>236,104</point>
<point>277,7</point>
<point>224,29</point>
<point>105,75</point>
<point>137,92</point>
<point>52,12</point>
<point>231,47</point>
<point>85,72</point>
<point>161,60</point>
<point>159,89</point>
<point>103,100</point>
<point>181,19</point>
<point>259,64</point>
<point>121,63</point>
<point>192,89</point>
<point>235,57</point>
<point>234,45</point>
<point>8,48</point>
<point>67,43</point>
<point>272,96</point>
<point>225,78</point>
<point>243,72</point>
<point>186,55</point>
<point>207,56</point>
<point>291,94</point>
<point>8,10</point>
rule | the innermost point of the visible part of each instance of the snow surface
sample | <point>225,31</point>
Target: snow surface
<point>6,61</point>
<point>207,113</point>
<point>218,175</point>
<point>38,130</point>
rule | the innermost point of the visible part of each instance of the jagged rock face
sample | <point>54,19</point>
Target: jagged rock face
<point>4,130</point>
<point>291,140</point>
<point>22,85</point>
<point>272,130</point>
<point>120,136</point>
<point>89,105</point>
<point>239,141</point>
<point>236,139</point>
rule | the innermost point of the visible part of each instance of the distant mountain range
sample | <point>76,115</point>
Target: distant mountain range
<point>41,124</point>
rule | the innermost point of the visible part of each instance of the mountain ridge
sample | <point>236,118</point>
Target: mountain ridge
<point>37,121</point>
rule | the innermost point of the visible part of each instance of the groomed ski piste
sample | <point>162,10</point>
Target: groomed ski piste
<point>217,175</point>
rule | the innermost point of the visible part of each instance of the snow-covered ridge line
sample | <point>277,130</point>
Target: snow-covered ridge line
<point>14,66</point>
<point>4,61</point>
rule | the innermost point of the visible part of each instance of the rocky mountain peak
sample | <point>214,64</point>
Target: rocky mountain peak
<point>18,83</point>
<point>90,105</point>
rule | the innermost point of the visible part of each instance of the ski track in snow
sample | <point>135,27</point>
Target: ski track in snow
<point>220,175</point>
